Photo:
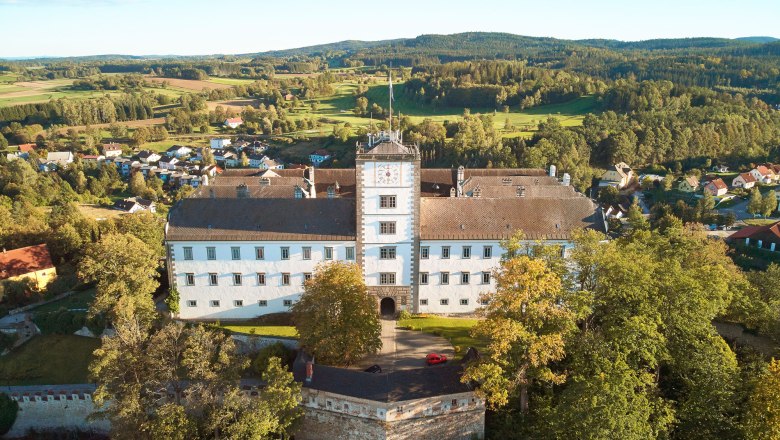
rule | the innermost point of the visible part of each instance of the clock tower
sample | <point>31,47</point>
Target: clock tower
<point>388,219</point>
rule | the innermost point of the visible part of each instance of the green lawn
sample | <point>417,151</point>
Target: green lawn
<point>76,301</point>
<point>231,81</point>
<point>276,331</point>
<point>760,221</point>
<point>339,108</point>
<point>49,359</point>
<point>455,330</point>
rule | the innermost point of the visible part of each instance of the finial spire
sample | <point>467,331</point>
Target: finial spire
<point>390,81</point>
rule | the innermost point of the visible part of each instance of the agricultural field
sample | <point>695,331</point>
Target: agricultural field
<point>338,108</point>
<point>231,81</point>
<point>193,85</point>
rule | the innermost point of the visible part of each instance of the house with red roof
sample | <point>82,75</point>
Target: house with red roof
<point>744,180</point>
<point>764,237</point>
<point>716,187</point>
<point>763,174</point>
<point>233,122</point>
<point>28,263</point>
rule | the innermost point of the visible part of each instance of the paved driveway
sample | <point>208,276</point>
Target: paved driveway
<point>405,349</point>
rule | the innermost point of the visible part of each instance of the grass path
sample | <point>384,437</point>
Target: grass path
<point>455,330</point>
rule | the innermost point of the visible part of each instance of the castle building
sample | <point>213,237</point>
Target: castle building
<point>427,240</point>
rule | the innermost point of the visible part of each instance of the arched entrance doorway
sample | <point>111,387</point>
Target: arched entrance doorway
<point>387,307</point>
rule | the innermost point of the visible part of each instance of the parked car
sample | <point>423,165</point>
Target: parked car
<point>373,369</point>
<point>435,358</point>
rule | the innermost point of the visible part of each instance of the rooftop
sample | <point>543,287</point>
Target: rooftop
<point>24,260</point>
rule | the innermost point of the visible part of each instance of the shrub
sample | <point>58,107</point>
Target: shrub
<point>278,350</point>
<point>173,301</point>
<point>404,314</point>
<point>61,322</point>
<point>8,410</point>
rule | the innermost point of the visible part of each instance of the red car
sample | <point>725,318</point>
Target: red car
<point>435,358</point>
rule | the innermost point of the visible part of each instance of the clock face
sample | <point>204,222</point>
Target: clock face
<point>388,174</point>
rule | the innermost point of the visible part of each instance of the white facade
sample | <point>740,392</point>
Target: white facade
<point>219,143</point>
<point>283,277</point>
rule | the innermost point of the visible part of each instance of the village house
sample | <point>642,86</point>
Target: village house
<point>716,187</point>
<point>256,160</point>
<point>60,158</point>
<point>178,151</point>
<point>744,180</point>
<point>764,237</point>
<point>147,156</point>
<point>168,162</point>
<point>688,184</point>
<point>762,174</point>
<point>233,122</point>
<point>112,150</point>
<point>147,170</point>
<point>619,176</point>
<point>318,157</point>
<point>720,168</point>
<point>135,204</point>
<point>26,148</point>
<point>220,143</point>
<point>28,263</point>
<point>92,158</point>
<point>271,164</point>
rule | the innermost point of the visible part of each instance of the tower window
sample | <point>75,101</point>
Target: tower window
<point>444,277</point>
<point>387,202</point>
<point>328,253</point>
<point>235,252</point>
<point>188,253</point>
<point>350,253</point>
<point>307,253</point>
<point>285,253</point>
<point>387,253</point>
<point>387,227</point>
<point>487,252</point>
<point>387,278</point>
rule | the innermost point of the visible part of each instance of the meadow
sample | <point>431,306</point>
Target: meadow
<point>338,109</point>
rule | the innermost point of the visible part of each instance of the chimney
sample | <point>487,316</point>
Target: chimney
<point>452,192</point>
<point>309,371</point>
<point>242,191</point>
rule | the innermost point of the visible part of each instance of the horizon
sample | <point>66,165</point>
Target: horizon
<point>147,29</point>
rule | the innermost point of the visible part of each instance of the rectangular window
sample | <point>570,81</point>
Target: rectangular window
<point>211,253</point>
<point>350,253</point>
<point>444,302</point>
<point>387,227</point>
<point>484,301</point>
<point>464,277</point>
<point>464,302</point>
<point>262,303</point>
<point>387,278</point>
<point>328,253</point>
<point>285,253</point>
<point>306,276</point>
<point>287,303</point>
<point>466,252</point>
<point>192,303</point>
<point>238,303</point>
<point>444,278</point>
<point>487,252</point>
<point>425,252</point>
<point>260,253</point>
<point>188,253</point>
<point>237,279</point>
<point>235,252</point>
<point>485,277</point>
<point>285,279</point>
<point>212,279</point>
<point>261,278</point>
<point>423,302</point>
<point>214,303</point>
<point>307,253</point>
<point>387,202</point>
<point>387,253</point>
<point>445,252</point>
<point>423,277</point>
<point>189,279</point>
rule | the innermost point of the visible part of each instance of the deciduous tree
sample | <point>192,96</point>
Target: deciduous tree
<point>336,318</point>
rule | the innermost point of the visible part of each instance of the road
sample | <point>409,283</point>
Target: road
<point>405,349</point>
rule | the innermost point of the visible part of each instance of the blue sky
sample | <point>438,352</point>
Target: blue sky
<point>141,27</point>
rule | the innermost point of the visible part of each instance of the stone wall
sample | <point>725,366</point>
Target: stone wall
<point>60,410</point>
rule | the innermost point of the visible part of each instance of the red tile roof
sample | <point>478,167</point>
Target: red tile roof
<point>24,260</point>
<point>234,121</point>
<point>766,233</point>
<point>747,177</point>
<point>718,183</point>
<point>764,171</point>
<point>26,148</point>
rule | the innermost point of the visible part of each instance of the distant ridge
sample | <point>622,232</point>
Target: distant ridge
<point>489,44</point>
